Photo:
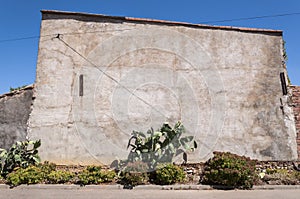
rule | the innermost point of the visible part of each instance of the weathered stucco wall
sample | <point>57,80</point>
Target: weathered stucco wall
<point>103,77</point>
<point>15,108</point>
<point>296,108</point>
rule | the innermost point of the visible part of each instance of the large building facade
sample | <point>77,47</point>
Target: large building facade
<point>100,77</point>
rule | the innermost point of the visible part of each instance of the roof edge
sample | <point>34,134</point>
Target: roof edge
<point>293,86</point>
<point>165,22</point>
<point>18,91</point>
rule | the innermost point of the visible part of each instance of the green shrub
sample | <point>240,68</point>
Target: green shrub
<point>47,167</point>
<point>47,173</point>
<point>108,176</point>
<point>59,177</point>
<point>270,171</point>
<point>29,175</point>
<point>11,89</point>
<point>231,170</point>
<point>53,176</point>
<point>95,175</point>
<point>21,154</point>
<point>2,180</point>
<point>135,173</point>
<point>168,174</point>
<point>32,175</point>
<point>282,176</point>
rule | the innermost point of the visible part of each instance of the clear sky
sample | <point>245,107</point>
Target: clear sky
<point>20,19</point>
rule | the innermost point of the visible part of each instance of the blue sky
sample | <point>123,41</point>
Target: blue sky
<point>19,19</point>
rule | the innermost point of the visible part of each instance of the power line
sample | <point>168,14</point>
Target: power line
<point>251,18</point>
<point>107,75</point>
<point>203,22</point>
<point>67,33</point>
<point>18,39</point>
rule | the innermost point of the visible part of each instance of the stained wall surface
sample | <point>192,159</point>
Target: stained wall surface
<point>296,107</point>
<point>15,108</point>
<point>99,78</point>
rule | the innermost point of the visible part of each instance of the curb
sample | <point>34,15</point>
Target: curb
<point>173,187</point>
<point>140,187</point>
<point>276,187</point>
<point>62,187</point>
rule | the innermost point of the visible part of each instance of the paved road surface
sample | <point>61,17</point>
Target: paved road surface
<point>87,193</point>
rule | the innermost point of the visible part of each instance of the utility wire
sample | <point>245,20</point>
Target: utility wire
<point>18,39</point>
<point>203,22</point>
<point>26,38</point>
<point>107,75</point>
<point>251,18</point>
<point>67,33</point>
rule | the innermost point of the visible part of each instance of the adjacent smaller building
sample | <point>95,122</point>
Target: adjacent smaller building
<point>15,108</point>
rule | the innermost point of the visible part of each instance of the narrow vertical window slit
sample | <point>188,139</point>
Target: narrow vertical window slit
<point>81,85</point>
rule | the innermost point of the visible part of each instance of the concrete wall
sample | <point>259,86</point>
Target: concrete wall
<point>296,108</point>
<point>15,108</point>
<point>222,83</point>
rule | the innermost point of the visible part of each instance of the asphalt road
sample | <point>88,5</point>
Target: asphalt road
<point>87,193</point>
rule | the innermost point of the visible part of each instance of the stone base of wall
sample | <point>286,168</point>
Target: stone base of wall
<point>296,108</point>
<point>15,108</point>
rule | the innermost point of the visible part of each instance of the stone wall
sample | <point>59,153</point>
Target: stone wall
<point>296,108</point>
<point>15,108</point>
<point>99,78</point>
